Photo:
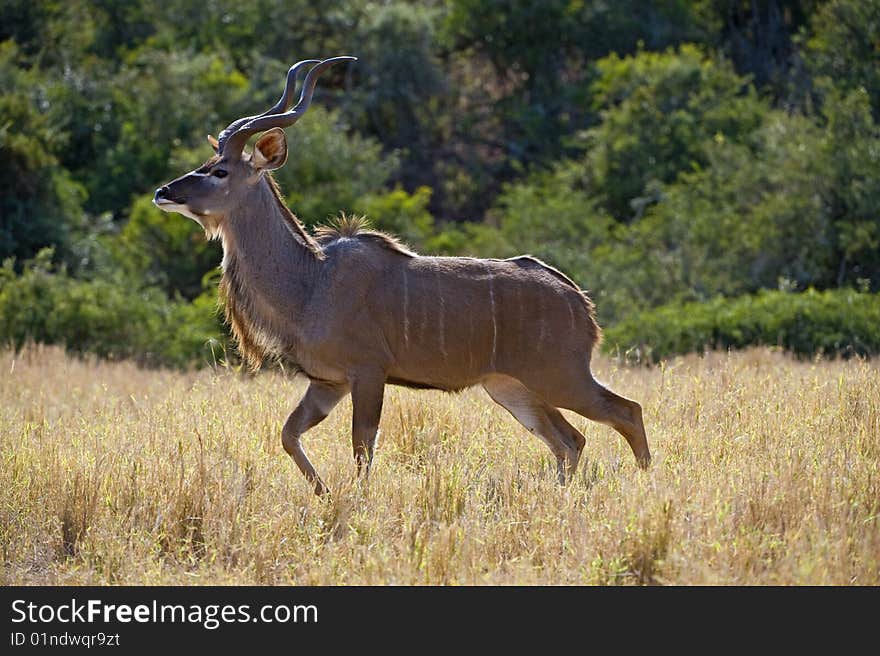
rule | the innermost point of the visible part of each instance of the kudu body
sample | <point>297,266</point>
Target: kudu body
<point>355,310</point>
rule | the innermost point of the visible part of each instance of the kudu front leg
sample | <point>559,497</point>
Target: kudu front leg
<point>317,403</point>
<point>367,392</point>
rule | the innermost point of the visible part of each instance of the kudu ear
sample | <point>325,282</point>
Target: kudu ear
<point>214,143</point>
<point>270,151</point>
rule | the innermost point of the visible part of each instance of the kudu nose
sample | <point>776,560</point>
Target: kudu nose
<point>161,192</point>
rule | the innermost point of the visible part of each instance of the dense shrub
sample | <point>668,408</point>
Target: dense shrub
<point>402,214</point>
<point>840,322</point>
<point>107,317</point>
<point>166,250</point>
<point>39,200</point>
<point>328,170</point>
<point>659,153</point>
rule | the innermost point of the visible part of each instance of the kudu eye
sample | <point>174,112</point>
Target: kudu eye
<point>219,173</point>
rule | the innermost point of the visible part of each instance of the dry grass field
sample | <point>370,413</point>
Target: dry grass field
<point>766,471</point>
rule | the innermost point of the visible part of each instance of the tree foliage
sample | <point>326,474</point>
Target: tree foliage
<point>658,152</point>
<point>842,45</point>
<point>39,200</point>
<point>658,113</point>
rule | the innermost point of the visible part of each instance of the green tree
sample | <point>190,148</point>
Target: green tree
<point>38,199</point>
<point>658,113</point>
<point>125,124</point>
<point>747,219</point>
<point>328,170</point>
<point>842,44</point>
<point>401,214</point>
<point>852,151</point>
<point>540,51</point>
<point>399,72</point>
<point>165,250</point>
<point>550,217</point>
<point>760,37</point>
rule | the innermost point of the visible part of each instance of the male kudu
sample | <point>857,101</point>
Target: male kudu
<point>356,310</point>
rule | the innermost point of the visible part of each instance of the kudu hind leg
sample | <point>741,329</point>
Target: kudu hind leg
<point>314,407</point>
<point>599,403</point>
<point>545,421</point>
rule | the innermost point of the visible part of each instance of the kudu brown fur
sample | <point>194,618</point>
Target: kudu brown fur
<point>356,310</point>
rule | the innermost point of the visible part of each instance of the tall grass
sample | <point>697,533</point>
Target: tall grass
<point>766,471</point>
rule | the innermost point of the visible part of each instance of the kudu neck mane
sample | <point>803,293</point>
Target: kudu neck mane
<point>264,222</point>
<point>267,259</point>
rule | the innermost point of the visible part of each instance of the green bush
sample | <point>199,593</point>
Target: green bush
<point>328,171</point>
<point>659,111</point>
<point>402,214</point>
<point>840,322</point>
<point>108,317</point>
<point>164,250</point>
<point>39,200</point>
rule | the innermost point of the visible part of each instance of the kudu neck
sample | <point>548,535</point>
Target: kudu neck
<point>270,263</point>
<point>262,232</point>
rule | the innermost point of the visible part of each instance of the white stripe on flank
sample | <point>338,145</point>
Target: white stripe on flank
<point>423,318</point>
<point>492,310</point>
<point>470,340</point>
<point>442,326</point>
<point>520,315</point>
<point>542,324</point>
<point>405,309</point>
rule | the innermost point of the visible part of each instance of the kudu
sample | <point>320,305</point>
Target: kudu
<point>355,310</point>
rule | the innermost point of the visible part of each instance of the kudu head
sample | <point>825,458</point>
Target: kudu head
<point>216,188</point>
